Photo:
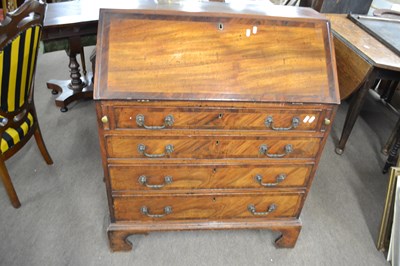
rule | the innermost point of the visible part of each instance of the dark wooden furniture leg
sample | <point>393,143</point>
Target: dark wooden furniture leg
<point>83,62</point>
<point>354,110</point>
<point>392,138</point>
<point>78,87</point>
<point>389,91</point>
<point>315,4</point>
<point>93,61</point>
<point>393,153</point>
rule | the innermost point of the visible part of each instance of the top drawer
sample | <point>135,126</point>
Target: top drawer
<point>273,119</point>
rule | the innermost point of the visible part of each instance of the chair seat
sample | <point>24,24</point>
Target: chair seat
<point>12,136</point>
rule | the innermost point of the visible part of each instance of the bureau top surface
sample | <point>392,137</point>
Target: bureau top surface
<point>254,54</point>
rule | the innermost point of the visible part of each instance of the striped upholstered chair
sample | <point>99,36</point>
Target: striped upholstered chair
<point>19,40</point>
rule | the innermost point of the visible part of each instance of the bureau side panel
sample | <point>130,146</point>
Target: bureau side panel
<point>103,126</point>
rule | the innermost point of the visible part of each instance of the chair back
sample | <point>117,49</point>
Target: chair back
<point>20,34</point>
<point>19,41</point>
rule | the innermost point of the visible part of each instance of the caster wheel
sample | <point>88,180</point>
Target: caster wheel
<point>339,151</point>
<point>386,168</point>
<point>54,92</point>
<point>64,109</point>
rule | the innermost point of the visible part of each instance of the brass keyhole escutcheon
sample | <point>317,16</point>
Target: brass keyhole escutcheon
<point>214,170</point>
<point>220,116</point>
<point>217,142</point>
<point>220,26</point>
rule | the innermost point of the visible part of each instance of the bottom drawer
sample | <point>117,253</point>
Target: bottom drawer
<point>210,206</point>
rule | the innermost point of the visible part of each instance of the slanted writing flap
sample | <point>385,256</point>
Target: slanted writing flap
<point>173,55</point>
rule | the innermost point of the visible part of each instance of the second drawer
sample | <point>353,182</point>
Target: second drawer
<point>207,147</point>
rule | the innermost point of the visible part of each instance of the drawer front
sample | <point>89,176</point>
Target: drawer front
<point>182,207</point>
<point>168,177</point>
<point>217,118</point>
<point>218,147</point>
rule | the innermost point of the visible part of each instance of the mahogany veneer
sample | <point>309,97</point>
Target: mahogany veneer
<point>213,119</point>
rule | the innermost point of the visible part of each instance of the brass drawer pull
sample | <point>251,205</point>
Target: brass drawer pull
<point>251,208</point>
<point>279,179</point>
<point>264,150</point>
<point>167,210</point>
<point>168,121</point>
<point>142,150</point>
<point>269,122</point>
<point>327,121</point>
<point>143,180</point>
<point>104,119</point>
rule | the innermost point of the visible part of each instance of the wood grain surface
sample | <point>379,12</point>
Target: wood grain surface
<point>218,118</point>
<point>219,75</point>
<point>211,176</point>
<point>118,232</point>
<point>362,43</point>
<point>229,58</point>
<point>352,69</point>
<point>210,147</point>
<point>207,206</point>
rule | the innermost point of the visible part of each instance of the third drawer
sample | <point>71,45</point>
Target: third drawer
<point>207,176</point>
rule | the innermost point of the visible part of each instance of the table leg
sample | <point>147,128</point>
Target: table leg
<point>354,110</point>
<point>394,152</point>
<point>77,87</point>
<point>392,138</point>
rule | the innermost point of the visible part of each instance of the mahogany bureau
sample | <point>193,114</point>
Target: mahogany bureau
<point>214,119</point>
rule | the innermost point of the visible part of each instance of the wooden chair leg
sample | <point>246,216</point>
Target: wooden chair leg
<point>42,146</point>
<point>5,177</point>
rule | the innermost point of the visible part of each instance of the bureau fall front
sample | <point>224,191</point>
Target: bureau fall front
<point>212,119</point>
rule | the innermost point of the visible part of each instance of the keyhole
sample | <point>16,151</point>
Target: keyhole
<point>220,116</point>
<point>214,199</point>
<point>220,26</point>
<point>214,170</point>
<point>217,142</point>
